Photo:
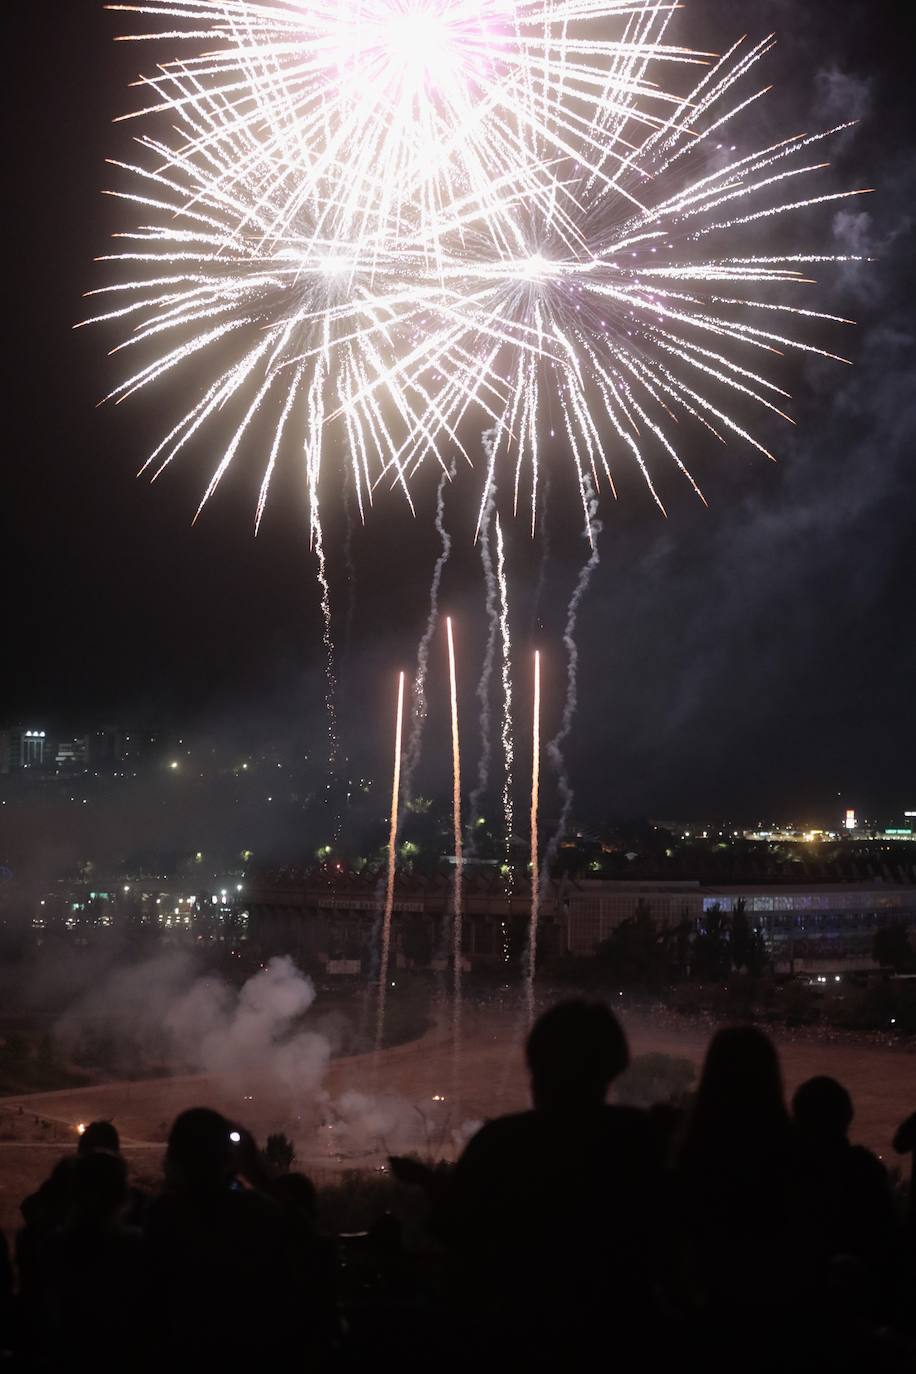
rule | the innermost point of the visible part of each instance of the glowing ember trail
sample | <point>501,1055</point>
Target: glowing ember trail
<point>506,727</point>
<point>392,857</point>
<point>535,874</point>
<point>330,675</point>
<point>419,705</point>
<point>456,808</point>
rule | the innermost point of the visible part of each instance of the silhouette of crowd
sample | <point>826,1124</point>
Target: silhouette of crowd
<point>733,1232</point>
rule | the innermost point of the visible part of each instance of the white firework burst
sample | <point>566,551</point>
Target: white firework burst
<point>390,215</point>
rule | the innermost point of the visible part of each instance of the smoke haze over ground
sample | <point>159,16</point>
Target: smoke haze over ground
<point>260,1043</point>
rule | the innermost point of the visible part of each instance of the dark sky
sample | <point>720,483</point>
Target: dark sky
<point>756,657</point>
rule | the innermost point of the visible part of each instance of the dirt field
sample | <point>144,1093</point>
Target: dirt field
<point>419,1095</point>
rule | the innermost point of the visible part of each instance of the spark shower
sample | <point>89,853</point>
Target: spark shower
<point>393,218</point>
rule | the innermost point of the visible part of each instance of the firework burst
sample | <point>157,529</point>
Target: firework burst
<point>390,216</point>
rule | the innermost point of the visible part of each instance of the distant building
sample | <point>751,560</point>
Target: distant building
<point>828,924</point>
<point>22,748</point>
<point>72,753</point>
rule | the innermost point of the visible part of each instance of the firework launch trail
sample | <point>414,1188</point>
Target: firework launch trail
<point>458,894</point>
<point>535,867</point>
<point>392,861</point>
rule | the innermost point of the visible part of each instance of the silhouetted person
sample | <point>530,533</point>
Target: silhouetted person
<point>43,1209</point>
<point>905,1144</point>
<point>551,1213</point>
<point>739,1179</point>
<point>42,1212</point>
<point>848,1190</point>
<point>223,1280</point>
<point>6,1299</point>
<point>103,1135</point>
<point>99,1135</point>
<point>314,1255</point>
<point>94,1280</point>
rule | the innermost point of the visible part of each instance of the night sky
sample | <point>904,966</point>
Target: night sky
<point>756,658</point>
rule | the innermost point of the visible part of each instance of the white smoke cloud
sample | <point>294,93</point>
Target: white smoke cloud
<point>382,1122</point>
<point>161,1011</point>
<point>253,1031</point>
<point>164,1014</point>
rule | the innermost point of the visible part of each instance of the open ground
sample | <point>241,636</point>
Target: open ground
<point>422,1096</point>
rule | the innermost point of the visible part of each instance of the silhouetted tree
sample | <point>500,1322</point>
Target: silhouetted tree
<point>279,1152</point>
<point>748,950</point>
<point>635,951</point>
<point>677,945</point>
<point>892,949</point>
<point>711,952</point>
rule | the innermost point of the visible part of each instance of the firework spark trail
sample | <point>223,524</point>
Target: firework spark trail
<point>544,533</point>
<point>392,859</point>
<point>350,566</point>
<point>349,85</point>
<point>506,721</point>
<point>486,674</point>
<point>330,675</point>
<point>571,701</point>
<point>418,704</point>
<point>531,963</point>
<point>457,901</point>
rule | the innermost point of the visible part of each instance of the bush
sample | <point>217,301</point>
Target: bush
<point>279,1153</point>
<point>891,947</point>
<point>358,1199</point>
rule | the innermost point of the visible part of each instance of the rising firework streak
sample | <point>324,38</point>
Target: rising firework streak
<point>535,867</point>
<point>506,726</point>
<point>457,917</point>
<point>392,859</point>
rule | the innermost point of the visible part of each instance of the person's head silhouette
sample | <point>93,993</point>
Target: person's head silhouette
<point>99,1135</point>
<point>740,1087</point>
<point>200,1151</point>
<point>298,1192</point>
<point>96,1188</point>
<point>822,1107</point>
<point>574,1053</point>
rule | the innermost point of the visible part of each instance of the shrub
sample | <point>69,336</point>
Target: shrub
<point>279,1152</point>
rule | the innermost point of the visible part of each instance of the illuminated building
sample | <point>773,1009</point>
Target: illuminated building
<point>72,753</point>
<point>22,748</point>
<point>822,925</point>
